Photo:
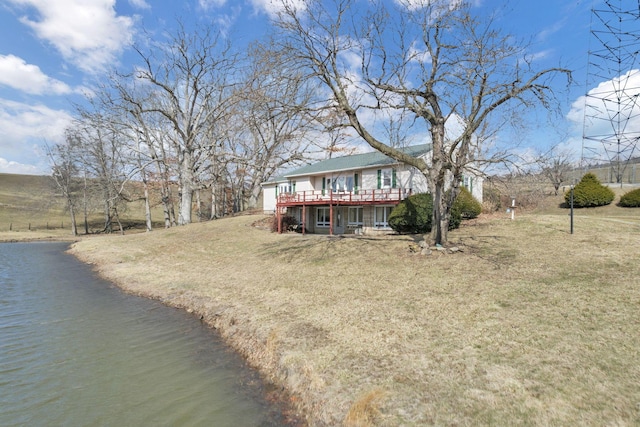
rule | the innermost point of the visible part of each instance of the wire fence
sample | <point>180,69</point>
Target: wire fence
<point>33,226</point>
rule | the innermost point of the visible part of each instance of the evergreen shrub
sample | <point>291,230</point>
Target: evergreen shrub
<point>467,204</point>
<point>589,192</point>
<point>630,199</point>
<point>414,215</point>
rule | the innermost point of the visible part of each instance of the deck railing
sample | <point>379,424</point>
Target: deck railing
<point>344,197</point>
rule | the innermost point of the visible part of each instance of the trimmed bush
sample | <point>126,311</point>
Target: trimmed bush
<point>467,204</point>
<point>414,215</point>
<point>590,193</point>
<point>630,199</point>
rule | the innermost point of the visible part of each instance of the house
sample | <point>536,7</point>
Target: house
<point>350,194</point>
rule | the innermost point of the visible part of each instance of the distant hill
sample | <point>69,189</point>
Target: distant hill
<point>29,202</point>
<point>32,202</point>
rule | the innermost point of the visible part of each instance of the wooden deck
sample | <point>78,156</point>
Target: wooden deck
<point>361,197</point>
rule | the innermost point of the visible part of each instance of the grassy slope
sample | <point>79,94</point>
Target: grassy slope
<point>529,325</point>
<point>31,208</point>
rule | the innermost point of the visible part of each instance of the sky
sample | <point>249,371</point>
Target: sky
<point>53,51</point>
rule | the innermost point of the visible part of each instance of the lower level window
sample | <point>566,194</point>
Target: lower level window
<point>355,216</point>
<point>381,216</point>
<point>322,217</point>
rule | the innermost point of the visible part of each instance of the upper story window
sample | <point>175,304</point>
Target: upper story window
<point>467,182</point>
<point>344,183</point>
<point>340,183</point>
<point>285,188</point>
<point>386,178</point>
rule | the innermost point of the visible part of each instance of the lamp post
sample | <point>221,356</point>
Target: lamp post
<point>571,206</point>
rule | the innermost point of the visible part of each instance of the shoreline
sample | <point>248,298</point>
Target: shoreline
<point>224,321</point>
<point>213,318</point>
<point>365,331</point>
<point>192,304</point>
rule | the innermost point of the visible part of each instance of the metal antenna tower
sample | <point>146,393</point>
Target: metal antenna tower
<point>611,127</point>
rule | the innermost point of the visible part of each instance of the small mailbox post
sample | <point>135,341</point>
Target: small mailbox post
<point>513,208</point>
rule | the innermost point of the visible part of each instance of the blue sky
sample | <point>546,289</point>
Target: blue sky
<point>53,50</point>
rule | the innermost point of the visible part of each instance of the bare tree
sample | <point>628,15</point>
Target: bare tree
<point>98,146</point>
<point>130,101</point>
<point>64,170</point>
<point>192,88</point>
<point>555,164</point>
<point>274,119</point>
<point>433,59</point>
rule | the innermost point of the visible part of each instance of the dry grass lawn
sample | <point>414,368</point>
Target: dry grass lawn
<point>529,325</point>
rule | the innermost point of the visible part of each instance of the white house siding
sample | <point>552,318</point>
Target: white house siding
<point>269,198</point>
<point>303,184</point>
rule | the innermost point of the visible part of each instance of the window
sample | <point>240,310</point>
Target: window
<point>350,183</point>
<point>340,183</point>
<point>285,188</point>
<point>386,178</point>
<point>355,216</point>
<point>322,217</point>
<point>296,213</point>
<point>467,182</point>
<point>381,216</point>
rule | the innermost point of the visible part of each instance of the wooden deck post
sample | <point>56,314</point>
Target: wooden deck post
<point>279,219</point>
<point>330,219</point>
<point>330,212</point>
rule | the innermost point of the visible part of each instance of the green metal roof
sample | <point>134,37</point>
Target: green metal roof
<point>355,161</point>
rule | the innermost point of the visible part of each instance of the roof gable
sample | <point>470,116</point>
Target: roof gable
<point>355,161</point>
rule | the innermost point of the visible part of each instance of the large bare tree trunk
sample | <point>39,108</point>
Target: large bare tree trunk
<point>187,179</point>
<point>72,213</point>
<point>147,206</point>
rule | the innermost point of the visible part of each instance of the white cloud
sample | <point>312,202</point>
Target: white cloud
<point>16,73</point>
<point>535,56</point>
<point>415,54</point>
<point>86,33</point>
<point>140,4</point>
<point>273,7</point>
<point>7,166</point>
<point>421,4</point>
<point>209,4</point>
<point>24,129</point>
<point>611,108</point>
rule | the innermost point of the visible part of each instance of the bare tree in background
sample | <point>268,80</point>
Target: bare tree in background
<point>105,159</point>
<point>555,165</point>
<point>64,171</point>
<point>147,131</point>
<point>274,117</point>
<point>191,76</point>
<point>432,59</point>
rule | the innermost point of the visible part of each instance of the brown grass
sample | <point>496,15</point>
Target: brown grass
<point>529,325</point>
<point>28,203</point>
<point>31,208</point>
<point>365,410</point>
